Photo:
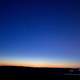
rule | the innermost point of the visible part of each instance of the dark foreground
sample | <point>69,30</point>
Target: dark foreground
<point>13,73</point>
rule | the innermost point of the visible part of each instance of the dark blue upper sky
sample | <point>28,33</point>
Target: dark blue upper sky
<point>44,29</point>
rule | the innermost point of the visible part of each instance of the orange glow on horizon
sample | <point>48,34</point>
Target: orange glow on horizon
<point>34,64</point>
<point>28,64</point>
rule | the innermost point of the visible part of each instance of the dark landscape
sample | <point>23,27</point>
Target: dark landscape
<point>12,72</point>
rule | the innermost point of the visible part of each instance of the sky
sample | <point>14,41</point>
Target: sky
<point>40,32</point>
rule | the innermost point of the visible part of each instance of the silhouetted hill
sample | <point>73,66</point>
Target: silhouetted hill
<point>34,72</point>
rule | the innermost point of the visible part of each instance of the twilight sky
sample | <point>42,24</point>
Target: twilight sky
<point>40,32</point>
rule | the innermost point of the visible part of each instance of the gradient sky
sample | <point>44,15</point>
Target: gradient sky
<point>40,31</point>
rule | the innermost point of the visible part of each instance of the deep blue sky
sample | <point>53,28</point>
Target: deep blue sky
<point>40,29</point>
